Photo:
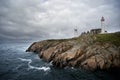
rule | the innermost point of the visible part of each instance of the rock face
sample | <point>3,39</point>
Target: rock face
<point>82,52</point>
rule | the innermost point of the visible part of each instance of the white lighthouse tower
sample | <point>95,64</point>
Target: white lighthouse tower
<point>75,32</point>
<point>102,25</point>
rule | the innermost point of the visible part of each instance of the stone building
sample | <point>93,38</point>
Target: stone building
<point>95,31</point>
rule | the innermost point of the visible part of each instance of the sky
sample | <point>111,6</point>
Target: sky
<point>55,19</point>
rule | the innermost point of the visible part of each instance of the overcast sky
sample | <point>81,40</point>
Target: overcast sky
<point>43,19</point>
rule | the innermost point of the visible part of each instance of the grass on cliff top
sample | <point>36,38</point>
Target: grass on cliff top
<point>62,40</point>
<point>113,38</point>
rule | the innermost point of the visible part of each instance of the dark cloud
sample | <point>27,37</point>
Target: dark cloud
<point>26,19</point>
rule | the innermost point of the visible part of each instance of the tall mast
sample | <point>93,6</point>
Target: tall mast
<point>75,32</point>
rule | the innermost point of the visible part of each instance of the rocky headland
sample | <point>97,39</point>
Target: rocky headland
<point>88,51</point>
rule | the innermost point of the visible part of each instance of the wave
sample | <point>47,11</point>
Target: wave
<point>28,60</point>
<point>33,67</point>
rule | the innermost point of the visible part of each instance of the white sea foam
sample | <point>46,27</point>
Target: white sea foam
<point>33,67</point>
<point>39,68</point>
<point>28,60</point>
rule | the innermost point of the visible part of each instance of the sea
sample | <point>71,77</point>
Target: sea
<point>16,64</point>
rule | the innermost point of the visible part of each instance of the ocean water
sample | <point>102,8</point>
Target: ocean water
<point>16,64</point>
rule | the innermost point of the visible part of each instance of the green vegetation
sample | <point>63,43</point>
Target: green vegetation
<point>62,40</point>
<point>113,38</point>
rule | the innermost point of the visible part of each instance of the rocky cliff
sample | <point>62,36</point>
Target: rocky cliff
<point>88,51</point>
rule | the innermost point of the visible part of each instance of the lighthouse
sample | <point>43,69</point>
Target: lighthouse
<point>102,25</point>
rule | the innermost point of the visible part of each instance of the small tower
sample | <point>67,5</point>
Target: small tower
<point>102,25</point>
<point>75,32</point>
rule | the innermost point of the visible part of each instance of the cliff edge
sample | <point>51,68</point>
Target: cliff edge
<point>88,51</point>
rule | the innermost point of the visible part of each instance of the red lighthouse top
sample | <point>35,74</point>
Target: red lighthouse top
<point>102,19</point>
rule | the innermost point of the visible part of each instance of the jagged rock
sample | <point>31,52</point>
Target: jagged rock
<point>85,51</point>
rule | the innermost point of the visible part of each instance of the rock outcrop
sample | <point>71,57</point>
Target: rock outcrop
<point>87,51</point>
